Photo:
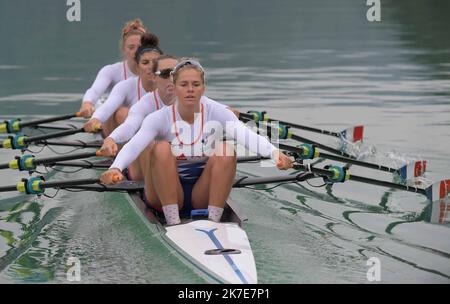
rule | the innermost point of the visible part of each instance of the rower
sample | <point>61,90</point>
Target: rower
<point>127,92</point>
<point>163,96</point>
<point>112,74</point>
<point>183,172</point>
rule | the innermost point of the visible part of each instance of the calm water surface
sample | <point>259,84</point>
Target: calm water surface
<point>312,62</point>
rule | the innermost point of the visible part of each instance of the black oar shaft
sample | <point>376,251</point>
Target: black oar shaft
<point>129,186</point>
<point>48,160</point>
<point>250,181</point>
<point>243,159</point>
<point>386,184</point>
<point>107,163</point>
<point>63,184</point>
<point>85,164</point>
<point>77,143</point>
<point>46,120</point>
<point>309,141</point>
<point>296,126</point>
<point>358,162</point>
<point>366,180</point>
<point>344,159</point>
<point>54,135</point>
<point>52,160</point>
<point>4,166</point>
<point>50,127</point>
<point>8,188</point>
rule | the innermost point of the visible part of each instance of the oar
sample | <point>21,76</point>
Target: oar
<point>21,142</point>
<point>308,151</point>
<point>76,143</point>
<point>85,164</point>
<point>436,193</point>
<point>353,134</point>
<point>52,127</point>
<point>285,133</point>
<point>334,174</point>
<point>104,164</point>
<point>29,162</point>
<point>15,125</point>
<point>37,185</point>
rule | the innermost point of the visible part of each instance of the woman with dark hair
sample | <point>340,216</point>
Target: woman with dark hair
<point>163,96</point>
<point>127,92</point>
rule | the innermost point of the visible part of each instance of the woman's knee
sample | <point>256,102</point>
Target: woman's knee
<point>120,115</point>
<point>161,151</point>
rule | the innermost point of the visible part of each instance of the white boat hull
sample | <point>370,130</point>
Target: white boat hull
<point>223,248</point>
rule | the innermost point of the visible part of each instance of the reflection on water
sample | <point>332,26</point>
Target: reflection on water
<point>311,62</point>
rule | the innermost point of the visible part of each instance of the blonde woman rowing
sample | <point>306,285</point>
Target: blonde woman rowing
<point>112,74</point>
<point>186,171</point>
<point>126,93</point>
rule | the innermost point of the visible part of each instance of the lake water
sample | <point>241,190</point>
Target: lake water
<point>317,63</point>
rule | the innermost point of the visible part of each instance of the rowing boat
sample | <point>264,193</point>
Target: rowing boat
<point>218,252</point>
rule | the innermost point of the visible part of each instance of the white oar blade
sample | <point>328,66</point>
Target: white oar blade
<point>438,195</point>
<point>353,134</point>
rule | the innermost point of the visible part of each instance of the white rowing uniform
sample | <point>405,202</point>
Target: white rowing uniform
<point>125,93</point>
<point>106,79</point>
<point>148,104</point>
<point>191,143</point>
